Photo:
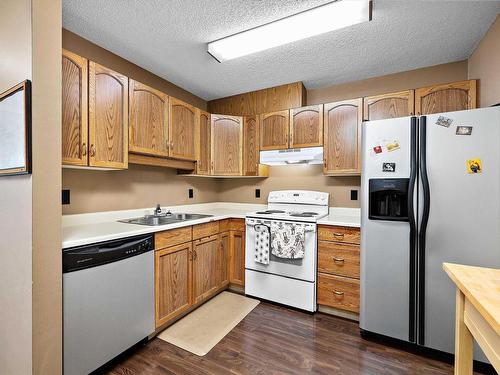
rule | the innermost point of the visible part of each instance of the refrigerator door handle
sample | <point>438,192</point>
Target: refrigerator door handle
<point>413,230</point>
<point>422,232</point>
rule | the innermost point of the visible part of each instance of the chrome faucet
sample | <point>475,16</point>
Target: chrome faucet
<point>158,210</point>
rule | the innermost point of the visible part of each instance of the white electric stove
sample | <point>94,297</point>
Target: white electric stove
<point>290,282</point>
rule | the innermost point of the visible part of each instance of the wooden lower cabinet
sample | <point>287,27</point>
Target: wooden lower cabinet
<point>338,292</point>
<point>172,282</point>
<point>223,260</point>
<point>339,268</point>
<point>190,267</point>
<point>205,258</point>
<point>237,258</point>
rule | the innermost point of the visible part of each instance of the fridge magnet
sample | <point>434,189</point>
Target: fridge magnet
<point>444,121</point>
<point>474,166</point>
<point>388,167</point>
<point>392,146</point>
<point>464,130</point>
<point>377,149</point>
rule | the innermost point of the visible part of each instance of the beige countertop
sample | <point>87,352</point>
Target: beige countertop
<point>84,229</point>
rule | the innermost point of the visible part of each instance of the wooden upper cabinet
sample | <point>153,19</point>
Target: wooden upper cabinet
<point>342,137</point>
<point>74,109</point>
<point>456,96</point>
<point>306,126</point>
<point>172,281</point>
<point>251,145</point>
<point>396,104</point>
<point>148,122</point>
<point>183,127</point>
<point>203,164</point>
<point>205,265</point>
<point>274,130</point>
<point>108,117</point>
<point>227,145</point>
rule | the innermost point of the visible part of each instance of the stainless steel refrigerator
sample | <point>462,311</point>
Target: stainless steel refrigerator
<point>430,194</point>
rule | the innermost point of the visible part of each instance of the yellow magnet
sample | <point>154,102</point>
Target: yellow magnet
<point>474,166</point>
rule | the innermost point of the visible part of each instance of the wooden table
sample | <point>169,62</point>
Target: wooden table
<point>477,315</point>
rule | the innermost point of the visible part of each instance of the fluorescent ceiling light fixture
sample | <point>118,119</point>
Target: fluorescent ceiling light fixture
<point>319,20</point>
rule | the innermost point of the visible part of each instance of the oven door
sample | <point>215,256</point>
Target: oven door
<point>300,269</point>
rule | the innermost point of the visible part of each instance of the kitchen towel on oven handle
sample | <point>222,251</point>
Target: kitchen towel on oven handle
<point>262,243</point>
<point>288,240</point>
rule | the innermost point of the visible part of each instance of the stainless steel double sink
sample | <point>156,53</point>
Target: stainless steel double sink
<point>164,219</point>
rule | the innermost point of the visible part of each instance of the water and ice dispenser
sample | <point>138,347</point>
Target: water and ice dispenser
<point>388,199</point>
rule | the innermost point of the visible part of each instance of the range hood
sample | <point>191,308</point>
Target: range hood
<point>309,155</point>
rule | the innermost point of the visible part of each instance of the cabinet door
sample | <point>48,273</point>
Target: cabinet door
<point>227,145</point>
<point>172,282</point>
<point>108,117</point>
<point>456,96</point>
<point>274,130</point>
<point>223,261</point>
<point>203,164</point>
<point>74,109</point>
<point>396,104</point>
<point>148,126</point>
<point>205,257</point>
<point>342,138</point>
<point>251,145</point>
<point>237,258</point>
<point>306,126</point>
<point>183,130</point>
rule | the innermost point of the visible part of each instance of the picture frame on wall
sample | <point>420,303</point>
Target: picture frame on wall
<point>15,130</point>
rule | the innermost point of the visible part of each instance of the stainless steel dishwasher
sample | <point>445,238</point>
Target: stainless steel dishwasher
<point>108,300</point>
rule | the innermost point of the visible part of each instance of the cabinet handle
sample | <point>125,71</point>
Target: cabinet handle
<point>338,260</point>
<point>92,150</point>
<point>190,252</point>
<point>171,145</point>
<point>222,245</point>
<point>338,235</point>
<point>337,293</point>
<point>195,256</point>
<point>84,149</point>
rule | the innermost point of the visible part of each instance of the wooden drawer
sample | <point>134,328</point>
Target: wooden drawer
<point>224,225</point>
<point>338,258</point>
<point>237,224</point>
<point>338,234</point>
<point>339,292</point>
<point>172,237</point>
<point>204,230</point>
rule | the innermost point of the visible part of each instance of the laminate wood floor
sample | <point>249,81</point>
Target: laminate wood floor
<point>277,340</point>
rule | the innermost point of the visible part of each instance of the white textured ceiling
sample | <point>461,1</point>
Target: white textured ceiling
<point>168,38</point>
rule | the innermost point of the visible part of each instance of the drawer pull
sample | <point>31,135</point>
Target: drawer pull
<point>338,260</point>
<point>336,292</point>
<point>338,235</point>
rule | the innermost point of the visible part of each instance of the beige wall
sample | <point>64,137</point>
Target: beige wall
<point>15,206</point>
<point>304,177</point>
<point>91,51</point>
<point>46,121</point>
<point>443,73</point>
<point>484,64</point>
<point>137,187</point>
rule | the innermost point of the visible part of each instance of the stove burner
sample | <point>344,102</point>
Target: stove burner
<point>303,214</point>
<point>267,212</point>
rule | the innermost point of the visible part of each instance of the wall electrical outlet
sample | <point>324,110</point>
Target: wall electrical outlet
<point>354,195</point>
<point>190,193</point>
<point>65,196</point>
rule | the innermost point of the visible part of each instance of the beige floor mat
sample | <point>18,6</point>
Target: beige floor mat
<point>199,331</point>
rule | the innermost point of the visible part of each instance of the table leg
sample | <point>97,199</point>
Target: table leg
<point>463,339</point>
